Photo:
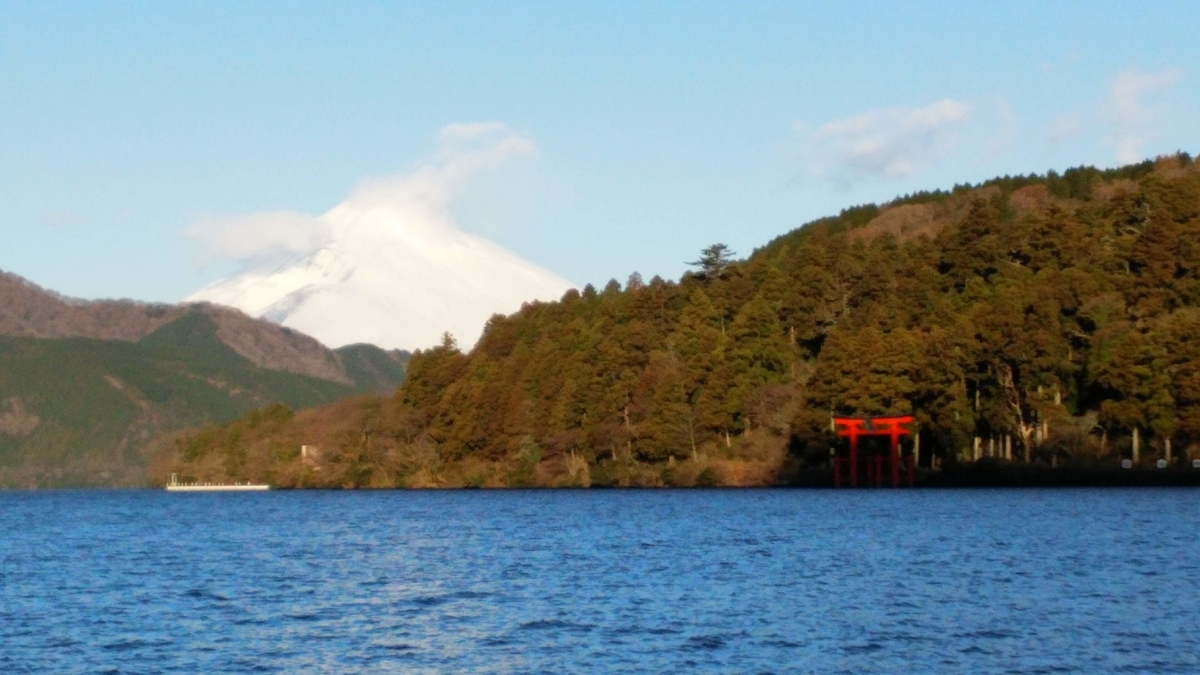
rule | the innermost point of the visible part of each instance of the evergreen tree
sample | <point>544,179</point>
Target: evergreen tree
<point>668,428</point>
<point>701,347</point>
<point>714,260</point>
<point>1135,372</point>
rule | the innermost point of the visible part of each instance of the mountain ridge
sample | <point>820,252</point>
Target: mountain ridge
<point>85,385</point>
<point>28,310</point>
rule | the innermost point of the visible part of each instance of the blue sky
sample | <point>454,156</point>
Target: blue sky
<point>655,128</point>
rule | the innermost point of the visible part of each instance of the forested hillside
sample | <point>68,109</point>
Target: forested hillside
<point>1060,311</point>
<point>78,411</point>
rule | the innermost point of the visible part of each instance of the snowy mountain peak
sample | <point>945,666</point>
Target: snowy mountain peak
<point>389,287</point>
<point>387,266</point>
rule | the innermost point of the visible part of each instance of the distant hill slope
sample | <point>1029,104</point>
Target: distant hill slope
<point>27,310</point>
<point>75,411</point>
<point>84,385</point>
<point>372,368</point>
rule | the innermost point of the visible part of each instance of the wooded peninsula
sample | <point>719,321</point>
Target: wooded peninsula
<point>1042,321</point>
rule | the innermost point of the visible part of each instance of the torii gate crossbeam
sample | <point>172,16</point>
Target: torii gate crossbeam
<point>854,428</point>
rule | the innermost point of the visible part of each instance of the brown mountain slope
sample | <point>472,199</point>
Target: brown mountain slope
<point>27,310</point>
<point>85,385</point>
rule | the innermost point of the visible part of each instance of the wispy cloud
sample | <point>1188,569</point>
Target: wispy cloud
<point>466,151</point>
<point>892,142</point>
<point>1132,118</point>
<point>254,236</point>
<point>423,197</point>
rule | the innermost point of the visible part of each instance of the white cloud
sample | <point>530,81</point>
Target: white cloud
<point>255,236</point>
<point>893,142</point>
<point>466,152</point>
<point>424,196</point>
<point>1131,117</point>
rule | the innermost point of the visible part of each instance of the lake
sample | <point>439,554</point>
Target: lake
<point>737,581</point>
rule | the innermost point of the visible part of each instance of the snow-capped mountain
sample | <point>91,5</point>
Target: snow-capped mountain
<point>388,276</point>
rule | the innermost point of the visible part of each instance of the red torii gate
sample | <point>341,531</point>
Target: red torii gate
<point>855,427</point>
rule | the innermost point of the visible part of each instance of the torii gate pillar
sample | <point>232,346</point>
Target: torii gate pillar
<point>892,427</point>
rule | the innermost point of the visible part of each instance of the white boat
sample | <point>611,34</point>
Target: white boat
<point>176,486</point>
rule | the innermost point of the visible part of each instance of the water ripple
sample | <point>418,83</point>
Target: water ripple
<point>987,581</point>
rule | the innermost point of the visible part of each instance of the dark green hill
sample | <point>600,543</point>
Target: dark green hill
<point>1036,320</point>
<point>372,368</point>
<point>76,411</point>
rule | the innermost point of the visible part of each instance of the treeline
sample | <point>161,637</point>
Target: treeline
<point>1059,312</point>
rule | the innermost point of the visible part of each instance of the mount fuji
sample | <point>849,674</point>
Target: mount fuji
<point>388,281</point>
<point>388,265</point>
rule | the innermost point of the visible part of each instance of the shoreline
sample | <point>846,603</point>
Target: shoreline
<point>979,475</point>
<point>992,474</point>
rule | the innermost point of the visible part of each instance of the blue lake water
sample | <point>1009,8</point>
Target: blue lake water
<point>772,581</point>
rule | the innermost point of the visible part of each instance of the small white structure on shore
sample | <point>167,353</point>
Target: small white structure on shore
<point>310,456</point>
<point>175,486</point>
